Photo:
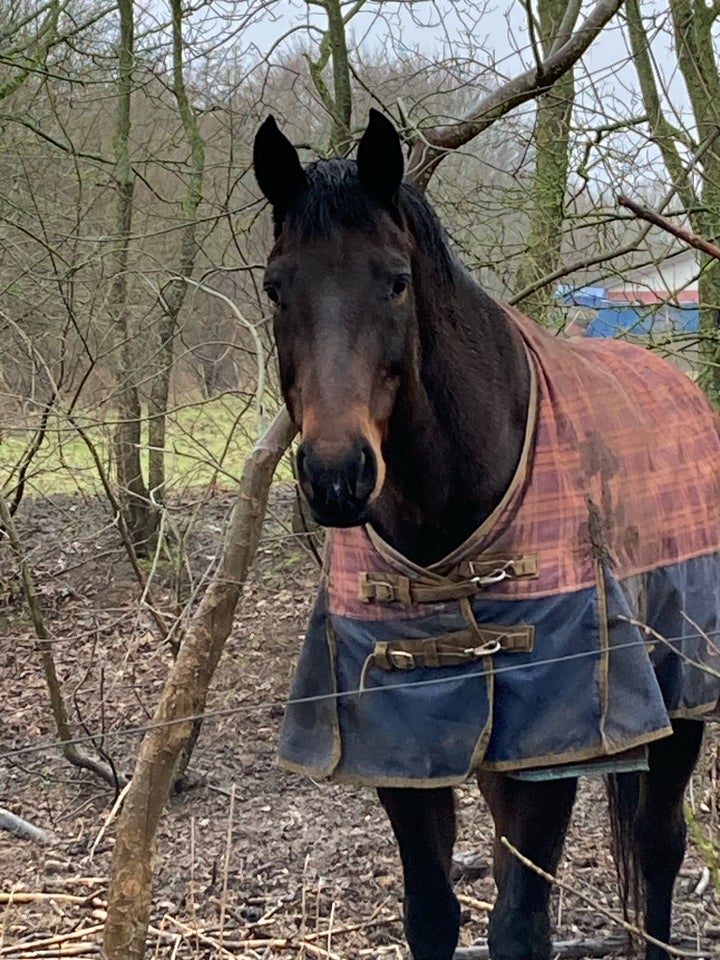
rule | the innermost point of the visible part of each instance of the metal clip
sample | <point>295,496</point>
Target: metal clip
<point>376,589</point>
<point>485,650</point>
<point>497,576</point>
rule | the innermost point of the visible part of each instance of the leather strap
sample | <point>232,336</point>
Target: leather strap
<point>449,649</point>
<point>467,580</point>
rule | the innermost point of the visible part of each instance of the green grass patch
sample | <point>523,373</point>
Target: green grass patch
<point>206,442</point>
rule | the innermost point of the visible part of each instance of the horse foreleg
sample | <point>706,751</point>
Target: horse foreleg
<point>660,828</point>
<point>534,817</point>
<point>424,824</point>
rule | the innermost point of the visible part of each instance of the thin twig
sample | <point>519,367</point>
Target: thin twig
<point>629,927</point>
<point>55,693</point>
<point>226,862</point>
<point>687,236</point>
<point>109,819</point>
<point>481,905</point>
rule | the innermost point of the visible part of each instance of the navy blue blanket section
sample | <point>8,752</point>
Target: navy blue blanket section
<point>594,685</point>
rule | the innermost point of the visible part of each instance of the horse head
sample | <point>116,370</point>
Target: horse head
<point>340,280</point>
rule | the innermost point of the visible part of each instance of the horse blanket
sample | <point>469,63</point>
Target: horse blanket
<point>571,627</point>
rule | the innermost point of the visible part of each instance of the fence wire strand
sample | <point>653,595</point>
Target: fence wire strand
<point>245,708</point>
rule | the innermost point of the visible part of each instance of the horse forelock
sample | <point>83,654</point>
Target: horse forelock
<point>335,197</point>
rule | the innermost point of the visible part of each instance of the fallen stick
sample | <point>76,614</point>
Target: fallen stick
<point>566,949</point>
<point>352,927</point>
<point>188,932</point>
<point>22,828</point>
<point>26,896</point>
<point>73,950</point>
<point>693,239</point>
<point>282,943</point>
<point>270,943</point>
<point>482,905</point>
<point>703,882</point>
<point>57,940</point>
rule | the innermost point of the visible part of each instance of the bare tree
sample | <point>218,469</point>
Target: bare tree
<point>183,699</point>
<point>133,490</point>
<point>551,145</point>
<point>173,295</point>
<point>692,25</point>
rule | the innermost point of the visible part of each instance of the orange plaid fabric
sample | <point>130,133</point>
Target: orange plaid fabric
<point>622,466</point>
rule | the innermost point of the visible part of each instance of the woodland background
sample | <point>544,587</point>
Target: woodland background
<point>137,375</point>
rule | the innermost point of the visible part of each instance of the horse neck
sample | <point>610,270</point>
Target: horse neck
<point>457,431</point>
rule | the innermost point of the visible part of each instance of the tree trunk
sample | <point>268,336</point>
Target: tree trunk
<point>334,45</point>
<point>692,26</point>
<point>551,142</point>
<point>184,698</point>
<point>175,292</point>
<point>133,492</point>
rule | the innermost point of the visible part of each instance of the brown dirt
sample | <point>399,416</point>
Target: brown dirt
<point>249,855</point>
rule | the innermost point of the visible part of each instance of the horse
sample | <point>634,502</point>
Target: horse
<point>418,400</point>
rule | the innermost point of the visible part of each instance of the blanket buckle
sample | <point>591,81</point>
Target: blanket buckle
<point>401,659</point>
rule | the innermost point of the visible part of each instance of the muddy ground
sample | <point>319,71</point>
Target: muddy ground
<point>252,861</point>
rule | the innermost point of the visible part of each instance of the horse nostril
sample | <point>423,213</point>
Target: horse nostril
<point>366,474</point>
<point>302,472</point>
<point>337,488</point>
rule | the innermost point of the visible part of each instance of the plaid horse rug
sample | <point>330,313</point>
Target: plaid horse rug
<point>567,631</point>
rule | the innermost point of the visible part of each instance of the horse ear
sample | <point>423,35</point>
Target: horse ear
<point>379,157</point>
<point>277,166</point>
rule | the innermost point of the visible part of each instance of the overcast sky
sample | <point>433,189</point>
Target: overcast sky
<point>441,27</point>
<point>491,33</point>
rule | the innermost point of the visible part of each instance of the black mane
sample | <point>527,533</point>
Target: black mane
<point>336,197</point>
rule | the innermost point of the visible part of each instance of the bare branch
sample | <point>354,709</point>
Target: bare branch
<point>629,927</point>
<point>425,156</point>
<point>57,700</point>
<point>185,695</point>
<point>711,249</point>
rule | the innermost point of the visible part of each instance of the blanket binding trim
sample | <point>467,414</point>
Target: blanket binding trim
<point>461,552</point>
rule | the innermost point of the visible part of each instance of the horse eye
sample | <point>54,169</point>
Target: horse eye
<point>272,292</point>
<point>399,286</point>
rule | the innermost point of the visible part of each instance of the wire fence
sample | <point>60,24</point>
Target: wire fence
<point>246,708</point>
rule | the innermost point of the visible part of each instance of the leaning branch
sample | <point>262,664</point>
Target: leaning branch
<point>184,697</point>
<point>429,149</point>
<point>687,236</point>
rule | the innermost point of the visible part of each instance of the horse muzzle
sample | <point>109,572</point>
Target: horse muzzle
<point>338,488</point>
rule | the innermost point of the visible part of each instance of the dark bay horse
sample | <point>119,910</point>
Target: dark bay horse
<point>412,391</point>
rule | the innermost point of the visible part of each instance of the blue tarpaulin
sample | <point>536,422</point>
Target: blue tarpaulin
<point>614,317</point>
